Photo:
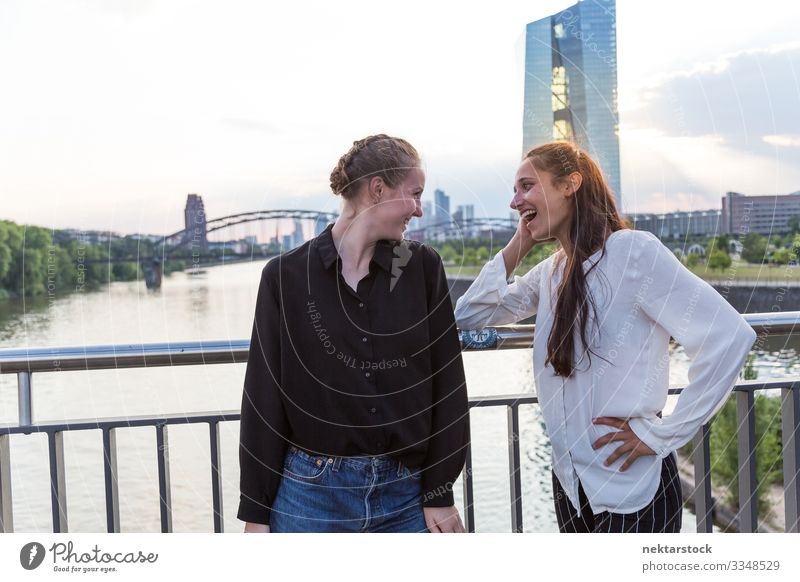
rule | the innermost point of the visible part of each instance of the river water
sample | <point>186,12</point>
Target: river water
<point>218,304</point>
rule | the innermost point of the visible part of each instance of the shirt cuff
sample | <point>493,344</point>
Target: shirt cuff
<point>440,497</point>
<point>252,512</point>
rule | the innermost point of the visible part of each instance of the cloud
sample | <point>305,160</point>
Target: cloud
<point>730,124</point>
<point>783,140</point>
<point>740,97</point>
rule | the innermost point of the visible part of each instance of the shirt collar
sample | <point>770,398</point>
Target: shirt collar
<point>384,250</point>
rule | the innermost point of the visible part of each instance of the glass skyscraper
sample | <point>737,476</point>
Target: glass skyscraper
<point>571,83</point>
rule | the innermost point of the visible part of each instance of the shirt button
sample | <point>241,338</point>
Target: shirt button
<point>366,374</point>
<point>361,305</point>
<point>363,339</point>
<point>373,409</point>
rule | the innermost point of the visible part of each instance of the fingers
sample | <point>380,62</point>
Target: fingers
<point>433,527</point>
<point>635,454</point>
<point>634,448</point>
<point>619,423</point>
<point>610,437</point>
<point>620,450</point>
<point>445,523</point>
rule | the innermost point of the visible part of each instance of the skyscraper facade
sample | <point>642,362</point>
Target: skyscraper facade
<point>571,83</point>
<point>194,214</point>
<point>442,202</point>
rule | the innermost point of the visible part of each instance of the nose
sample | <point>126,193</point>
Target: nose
<point>516,201</point>
<point>418,209</point>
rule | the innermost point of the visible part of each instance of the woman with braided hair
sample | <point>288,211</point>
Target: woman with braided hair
<point>354,412</point>
<point>606,303</point>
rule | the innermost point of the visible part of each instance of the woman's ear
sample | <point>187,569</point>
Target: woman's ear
<point>376,186</point>
<point>575,181</point>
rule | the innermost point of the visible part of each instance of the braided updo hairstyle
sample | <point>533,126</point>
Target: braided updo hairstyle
<point>376,155</point>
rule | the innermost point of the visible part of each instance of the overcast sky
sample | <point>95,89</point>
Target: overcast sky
<point>111,111</point>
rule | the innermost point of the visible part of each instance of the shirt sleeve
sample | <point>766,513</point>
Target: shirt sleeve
<point>450,431</point>
<point>264,426</point>
<point>493,300</point>
<point>716,338</point>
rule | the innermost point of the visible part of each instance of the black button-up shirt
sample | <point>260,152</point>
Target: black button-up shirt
<point>338,372</point>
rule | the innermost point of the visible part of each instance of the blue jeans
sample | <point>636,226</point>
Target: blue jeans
<point>347,494</point>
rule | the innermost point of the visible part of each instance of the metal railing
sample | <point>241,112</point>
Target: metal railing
<point>26,362</point>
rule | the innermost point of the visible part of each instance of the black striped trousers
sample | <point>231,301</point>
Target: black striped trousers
<point>663,514</point>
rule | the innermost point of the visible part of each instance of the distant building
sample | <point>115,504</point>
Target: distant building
<point>678,224</point>
<point>298,237</point>
<point>463,217</point>
<point>571,83</point>
<point>442,201</point>
<point>417,224</point>
<point>319,225</point>
<point>195,223</point>
<point>765,215</point>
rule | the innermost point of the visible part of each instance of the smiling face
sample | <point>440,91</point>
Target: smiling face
<point>545,206</point>
<point>396,206</point>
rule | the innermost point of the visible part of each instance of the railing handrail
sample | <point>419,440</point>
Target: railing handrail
<point>26,361</point>
<point>183,353</point>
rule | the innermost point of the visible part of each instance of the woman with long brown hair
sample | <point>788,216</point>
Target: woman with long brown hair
<point>606,303</point>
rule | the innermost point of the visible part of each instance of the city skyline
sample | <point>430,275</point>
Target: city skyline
<point>117,110</point>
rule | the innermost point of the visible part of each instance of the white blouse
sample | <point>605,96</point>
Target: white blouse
<point>643,295</point>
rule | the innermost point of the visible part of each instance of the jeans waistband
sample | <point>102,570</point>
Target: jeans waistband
<point>356,462</point>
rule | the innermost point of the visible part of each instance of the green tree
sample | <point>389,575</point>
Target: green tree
<point>470,257</point>
<point>691,260</point>
<point>719,260</point>
<point>782,256</point>
<point>717,243</point>
<point>448,254</point>
<point>754,248</point>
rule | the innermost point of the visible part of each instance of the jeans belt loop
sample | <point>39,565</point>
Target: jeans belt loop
<point>337,462</point>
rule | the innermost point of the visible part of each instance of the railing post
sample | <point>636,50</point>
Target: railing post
<point>790,424</point>
<point>469,494</point>
<point>24,399</point>
<point>703,504</point>
<point>514,468</point>
<point>216,477</point>
<point>111,479</point>
<point>746,439</point>
<point>6,504</point>
<point>58,482</point>
<point>164,487</point>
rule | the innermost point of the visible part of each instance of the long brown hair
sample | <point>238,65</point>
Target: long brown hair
<point>594,218</point>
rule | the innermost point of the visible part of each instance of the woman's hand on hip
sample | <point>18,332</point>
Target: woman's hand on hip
<point>631,444</point>
<point>256,528</point>
<point>443,519</point>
